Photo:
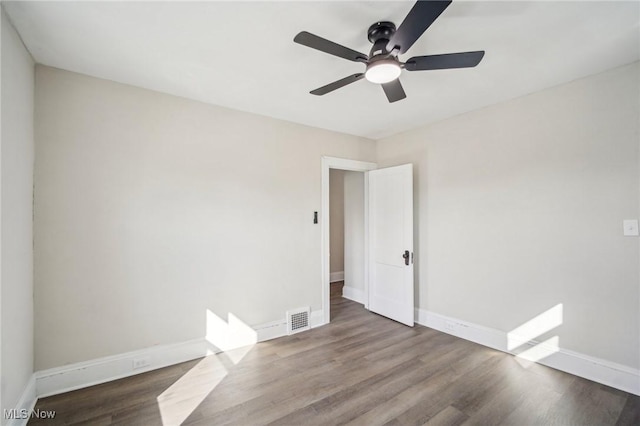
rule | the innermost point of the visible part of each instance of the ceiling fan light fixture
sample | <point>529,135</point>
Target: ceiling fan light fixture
<point>383,71</point>
<point>382,64</point>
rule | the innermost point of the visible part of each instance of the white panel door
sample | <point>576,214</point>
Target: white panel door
<point>391,243</point>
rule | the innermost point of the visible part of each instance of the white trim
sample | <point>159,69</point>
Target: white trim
<point>328,163</point>
<point>83,374</point>
<point>598,370</point>
<point>352,293</point>
<point>88,373</point>
<point>317,319</point>
<point>365,293</point>
<point>271,330</point>
<point>347,164</point>
<point>101,370</point>
<point>336,276</point>
<point>275,329</point>
<point>26,403</point>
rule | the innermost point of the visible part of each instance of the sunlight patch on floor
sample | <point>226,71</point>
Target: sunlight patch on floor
<point>184,396</point>
<point>231,340</point>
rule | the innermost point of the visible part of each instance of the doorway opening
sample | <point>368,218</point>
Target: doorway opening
<point>344,248</point>
<point>346,236</point>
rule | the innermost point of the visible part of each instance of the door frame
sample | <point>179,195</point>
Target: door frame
<point>329,163</point>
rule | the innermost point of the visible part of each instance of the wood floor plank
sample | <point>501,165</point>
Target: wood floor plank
<point>362,369</point>
<point>449,387</point>
<point>356,400</point>
<point>588,403</point>
<point>420,397</point>
<point>630,414</point>
<point>534,409</point>
<point>450,416</point>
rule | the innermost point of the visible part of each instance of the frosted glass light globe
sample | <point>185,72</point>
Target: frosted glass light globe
<point>382,71</point>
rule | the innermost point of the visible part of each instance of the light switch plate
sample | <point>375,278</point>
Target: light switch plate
<point>630,227</point>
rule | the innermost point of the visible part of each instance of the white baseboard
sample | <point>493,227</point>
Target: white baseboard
<point>83,374</point>
<point>271,330</point>
<point>316,319</point>
<point>276,329</point>
<point>25,404</point>
<point>352,293</point>
<point>336,276</point>
<point>591,368</point>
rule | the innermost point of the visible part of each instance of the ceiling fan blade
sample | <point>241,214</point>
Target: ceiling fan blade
<point>394,90</point>
<point>445,61</point>
<point>337,84</point>
<point>326,46</point>
<point>420,17</point>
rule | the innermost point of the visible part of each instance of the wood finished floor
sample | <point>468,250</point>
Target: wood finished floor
<point>362,369</point>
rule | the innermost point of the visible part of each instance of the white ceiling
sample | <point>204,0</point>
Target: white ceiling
<point>241,55</point>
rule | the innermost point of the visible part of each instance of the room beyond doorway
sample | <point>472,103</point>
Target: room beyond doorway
<point>347,232</point>
<point>356,185</point>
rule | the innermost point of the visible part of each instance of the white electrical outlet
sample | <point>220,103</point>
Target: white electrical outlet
<point>630,227</point>
<point>141,362</point>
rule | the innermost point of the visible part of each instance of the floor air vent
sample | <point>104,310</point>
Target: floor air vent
<point>298,320</point>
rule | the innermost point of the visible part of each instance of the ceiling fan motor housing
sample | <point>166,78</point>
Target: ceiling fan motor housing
<point>379,34</point>
<point>382,66</point>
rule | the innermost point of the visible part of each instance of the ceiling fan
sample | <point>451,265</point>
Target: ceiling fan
<point>382,63</point>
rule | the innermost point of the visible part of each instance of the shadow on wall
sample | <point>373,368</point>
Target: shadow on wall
<point>522,342</point>
<point>230,341</point>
